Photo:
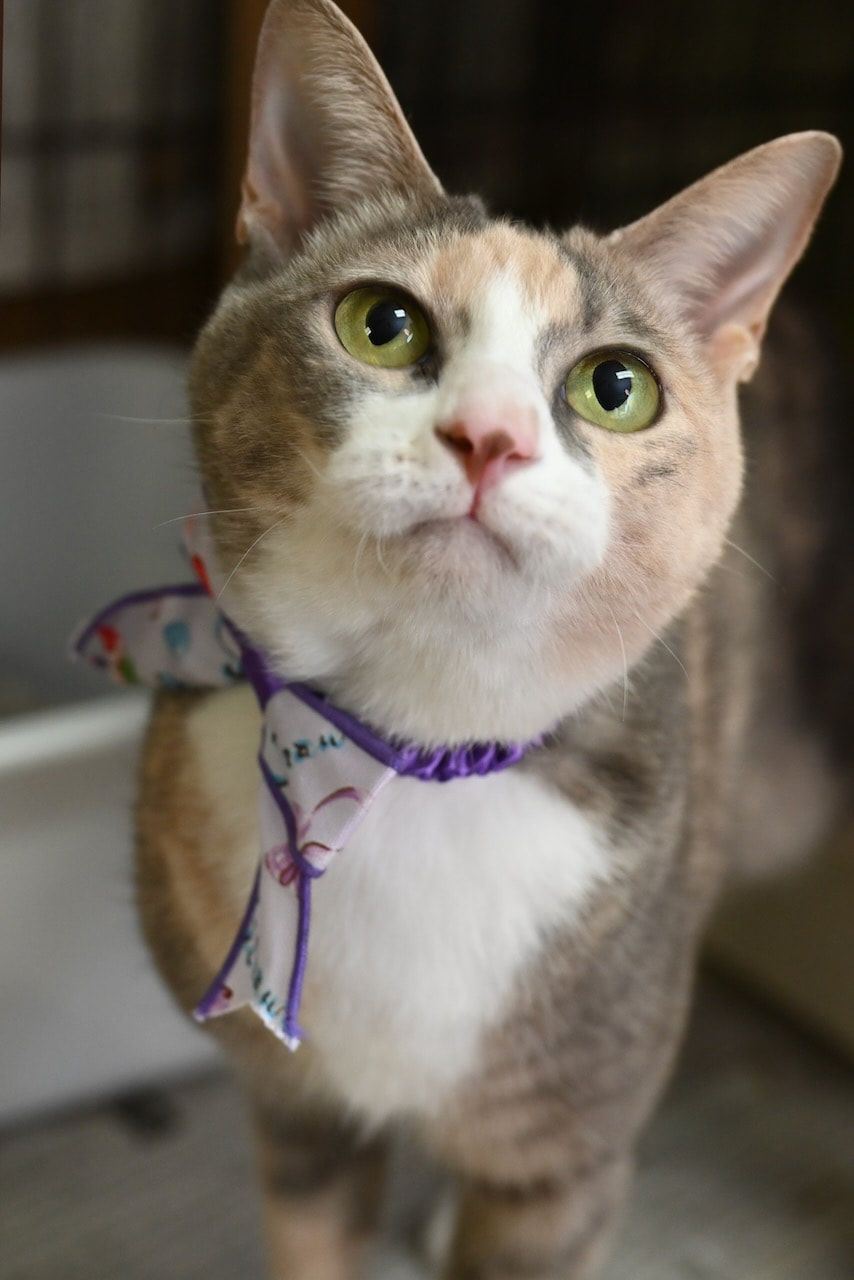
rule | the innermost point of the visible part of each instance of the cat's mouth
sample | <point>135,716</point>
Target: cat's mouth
<point>464,535</point>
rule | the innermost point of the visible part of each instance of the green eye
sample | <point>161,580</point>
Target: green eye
<point>380,327</point>
<point>615,390</point>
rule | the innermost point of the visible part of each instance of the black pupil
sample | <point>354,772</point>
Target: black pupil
<point>385,321</point>
<point>612,383</point>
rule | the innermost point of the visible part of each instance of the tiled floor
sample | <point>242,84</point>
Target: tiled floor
<point>747,1174</point>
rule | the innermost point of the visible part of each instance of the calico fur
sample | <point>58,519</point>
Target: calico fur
<point>503,965</point>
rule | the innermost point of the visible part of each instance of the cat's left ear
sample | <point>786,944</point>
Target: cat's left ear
<point>326,128</point>
<point>725,246</point>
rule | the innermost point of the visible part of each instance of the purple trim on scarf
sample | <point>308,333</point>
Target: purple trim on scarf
<point>86,632</point>
<point>307,873</point>
<point>203,1008</point>
<point>291,1024</point>
<point>428,764</point>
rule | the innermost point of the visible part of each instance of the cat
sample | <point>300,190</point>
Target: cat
<point>478,482</point>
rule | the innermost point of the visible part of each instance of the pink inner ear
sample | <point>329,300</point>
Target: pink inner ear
<point>743,296</point>
<point>749,281</point>
<point>734,350</point>
<point>276,204</point>
<point>727,244</point>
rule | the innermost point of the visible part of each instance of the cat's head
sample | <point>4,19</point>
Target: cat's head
<point>471,469</point>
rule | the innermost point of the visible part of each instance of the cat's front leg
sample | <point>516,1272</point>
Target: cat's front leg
<point>321,1185</point>
<point>543,1229</point>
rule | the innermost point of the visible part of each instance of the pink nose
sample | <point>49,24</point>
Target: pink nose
<point>487,451</point>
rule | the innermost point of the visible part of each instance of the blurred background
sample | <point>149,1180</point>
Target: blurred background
<point>123,135</point>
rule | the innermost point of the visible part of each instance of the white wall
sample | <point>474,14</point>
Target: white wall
<point>81,491</point>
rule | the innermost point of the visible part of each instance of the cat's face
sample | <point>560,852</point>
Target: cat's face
<point>577,553</point>
<point>479,468</point>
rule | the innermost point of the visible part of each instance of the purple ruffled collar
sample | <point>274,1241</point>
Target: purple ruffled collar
<point>429,764</point>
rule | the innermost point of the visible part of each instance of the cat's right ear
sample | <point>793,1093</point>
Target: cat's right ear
<point>722,249</point>
<point>326,128</point>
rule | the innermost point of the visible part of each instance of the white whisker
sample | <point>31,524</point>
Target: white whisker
<point>665,645</point>
<point>308,462</point>
<point>246,553</point>
<point>225,511</point>
<point>625,663</point>
<point>121,417</point>
<point>358,556</point>
<point>748,556</point>
<point>382,562</point>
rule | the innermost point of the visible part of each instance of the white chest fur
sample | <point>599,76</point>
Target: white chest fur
<point>423,924</point>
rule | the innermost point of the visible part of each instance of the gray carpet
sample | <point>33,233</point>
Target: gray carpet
<point>747,1174</point>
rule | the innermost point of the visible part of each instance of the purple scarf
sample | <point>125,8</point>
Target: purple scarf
<point>320,770</point>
